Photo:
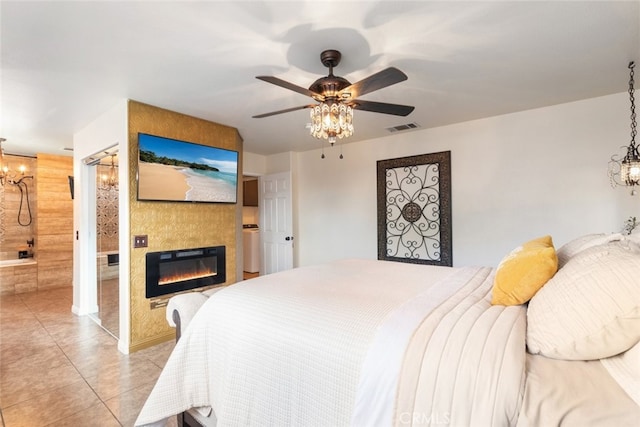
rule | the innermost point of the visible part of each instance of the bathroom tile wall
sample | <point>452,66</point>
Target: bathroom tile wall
<point>13,236</point>
<point>54,236</point>
<point>19,278</point>
<point>41,211</point>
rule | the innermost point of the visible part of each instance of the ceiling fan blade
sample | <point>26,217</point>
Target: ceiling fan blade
<point>379,80</point>
<point>285,84</point>
<point>382,107</point>
<point>273,113</point>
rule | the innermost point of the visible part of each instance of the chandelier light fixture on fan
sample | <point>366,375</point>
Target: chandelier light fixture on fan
<point>627,171</point>
<point>331,121</point>
<point>332,115</point>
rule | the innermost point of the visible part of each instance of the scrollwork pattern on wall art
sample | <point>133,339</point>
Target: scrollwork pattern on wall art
<point>414,209</point>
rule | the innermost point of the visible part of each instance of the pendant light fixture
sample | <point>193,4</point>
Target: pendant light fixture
<point>626,171</point>
<point>110,180</point>
<point>7,175</point>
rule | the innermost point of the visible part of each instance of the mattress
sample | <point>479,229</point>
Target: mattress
<point>354,342</point>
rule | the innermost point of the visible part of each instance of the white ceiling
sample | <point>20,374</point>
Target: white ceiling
<point>65,63</point>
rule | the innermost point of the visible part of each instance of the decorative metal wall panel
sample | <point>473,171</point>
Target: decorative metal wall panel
<point>414,209</point>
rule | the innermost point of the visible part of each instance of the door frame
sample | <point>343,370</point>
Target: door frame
<point>286,256</point>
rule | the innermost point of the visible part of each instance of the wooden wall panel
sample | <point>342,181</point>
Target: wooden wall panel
<point>18,279</point>
<point>54,243</point>
<point>54,276</point>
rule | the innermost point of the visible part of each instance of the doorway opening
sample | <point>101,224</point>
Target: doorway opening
<point>250,228</point>
<point>107,239</point>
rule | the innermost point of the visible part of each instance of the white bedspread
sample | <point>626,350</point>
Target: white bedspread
<point>355,342</point>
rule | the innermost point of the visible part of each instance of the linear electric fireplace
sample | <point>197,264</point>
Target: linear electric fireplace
<point>182,270</point>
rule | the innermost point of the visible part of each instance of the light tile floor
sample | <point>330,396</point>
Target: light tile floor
<point>58,369</point>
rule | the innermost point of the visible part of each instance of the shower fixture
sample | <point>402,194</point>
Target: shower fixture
<point>7,176</point>
<point>24,193</point>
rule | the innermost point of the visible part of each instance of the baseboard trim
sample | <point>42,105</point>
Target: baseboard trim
<point>151,342</point>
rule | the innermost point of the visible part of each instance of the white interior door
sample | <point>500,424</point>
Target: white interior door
<point>276,223</point>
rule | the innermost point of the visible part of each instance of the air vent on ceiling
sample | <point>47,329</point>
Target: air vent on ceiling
<point>399,128</point>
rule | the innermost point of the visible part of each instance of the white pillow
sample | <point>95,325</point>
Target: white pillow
<point>577,245</point>
<point>591,308</point>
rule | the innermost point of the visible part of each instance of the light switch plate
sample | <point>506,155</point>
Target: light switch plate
<point>140,241</point>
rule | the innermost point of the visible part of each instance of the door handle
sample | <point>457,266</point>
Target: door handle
<point>288,238</point>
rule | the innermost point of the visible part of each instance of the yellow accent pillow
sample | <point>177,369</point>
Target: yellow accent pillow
<point>524,271</point>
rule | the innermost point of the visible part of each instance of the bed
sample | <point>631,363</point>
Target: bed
<point>380,343</point>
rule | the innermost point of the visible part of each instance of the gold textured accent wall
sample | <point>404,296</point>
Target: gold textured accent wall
<point>174,225</point>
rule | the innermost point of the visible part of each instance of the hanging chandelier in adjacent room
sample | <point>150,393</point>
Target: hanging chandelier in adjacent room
<point>110,179</point>
<point>8,176</point>
<point>626,171</point>
<point>4,169</point>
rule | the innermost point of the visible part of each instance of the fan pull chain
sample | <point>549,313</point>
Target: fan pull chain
<point>634,132</point>
<point>322,155</point>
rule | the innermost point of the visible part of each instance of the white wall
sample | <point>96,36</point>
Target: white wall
<point>110,129</point>
<point>253,164</point>
<point>514,177</point>
<point>257,165</point>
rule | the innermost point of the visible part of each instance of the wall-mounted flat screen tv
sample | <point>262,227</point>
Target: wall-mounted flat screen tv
<point>181,171</point>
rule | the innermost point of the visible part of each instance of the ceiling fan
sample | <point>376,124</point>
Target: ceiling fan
<point>335,90</point>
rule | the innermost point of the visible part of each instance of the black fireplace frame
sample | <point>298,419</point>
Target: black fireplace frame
<point>153,289</point>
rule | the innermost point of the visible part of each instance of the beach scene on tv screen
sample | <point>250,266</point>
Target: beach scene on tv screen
<point>181,171</point>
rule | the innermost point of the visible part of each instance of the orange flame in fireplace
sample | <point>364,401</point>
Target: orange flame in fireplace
<point>192,275</point>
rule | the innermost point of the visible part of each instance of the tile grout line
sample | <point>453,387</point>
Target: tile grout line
<point>65,356</point>
<point>72,364</point>
<point>33,314</point>
<point>38,309</point>
<point>103,402</point>
<point>83,379</point>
